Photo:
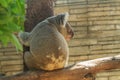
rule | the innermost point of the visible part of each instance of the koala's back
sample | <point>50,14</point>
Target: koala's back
<point>49,49</point>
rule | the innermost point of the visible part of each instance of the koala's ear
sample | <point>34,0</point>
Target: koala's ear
<point>62,19</point>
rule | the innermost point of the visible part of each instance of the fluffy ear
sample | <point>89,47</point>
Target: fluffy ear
<point>24,38</point>
<point>62,19</point>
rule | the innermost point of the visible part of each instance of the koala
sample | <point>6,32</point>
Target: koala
<point>48,43</point>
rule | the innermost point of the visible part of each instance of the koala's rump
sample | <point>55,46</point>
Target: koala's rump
<point>49,51</point>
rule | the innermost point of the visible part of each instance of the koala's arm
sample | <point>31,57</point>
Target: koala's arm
<point>24,38</point>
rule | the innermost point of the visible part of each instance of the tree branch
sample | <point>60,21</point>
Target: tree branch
<point>83,71</point>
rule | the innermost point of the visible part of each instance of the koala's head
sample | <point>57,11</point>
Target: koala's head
<point>61,23</point>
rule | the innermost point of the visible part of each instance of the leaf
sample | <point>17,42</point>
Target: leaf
<point>4,40</point>
<point>1,32</point>
<point>15,9</point>
<point>4,16</point>
<point>12,16</point>
<point>4,3</point>
<point>13,27</point>
<point>15,41</point>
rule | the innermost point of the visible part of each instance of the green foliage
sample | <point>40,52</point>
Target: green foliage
<point>11,21</point>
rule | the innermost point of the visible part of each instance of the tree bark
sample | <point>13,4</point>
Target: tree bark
<point>36,11</point>
<point>80,71</point>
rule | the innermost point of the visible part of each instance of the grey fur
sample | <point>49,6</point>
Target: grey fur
<point>48,47</point>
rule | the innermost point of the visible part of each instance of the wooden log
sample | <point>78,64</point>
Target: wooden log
<point>80,71</point>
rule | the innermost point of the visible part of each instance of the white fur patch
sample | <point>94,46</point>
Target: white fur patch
<point>66,18</point>
<point>59,48</point>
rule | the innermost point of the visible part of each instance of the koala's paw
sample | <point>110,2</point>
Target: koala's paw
<point>24,38</point>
